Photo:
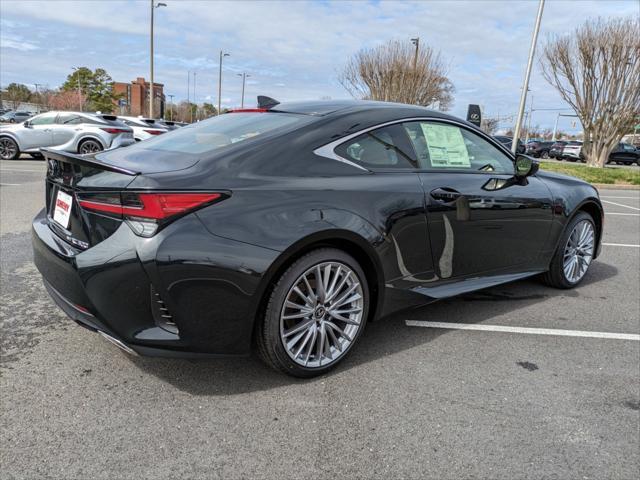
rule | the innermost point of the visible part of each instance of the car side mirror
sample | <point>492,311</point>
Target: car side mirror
<point>27,124</point>
<point>525,166</point>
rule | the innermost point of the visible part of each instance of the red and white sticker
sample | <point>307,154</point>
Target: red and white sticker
<point>62,210</point>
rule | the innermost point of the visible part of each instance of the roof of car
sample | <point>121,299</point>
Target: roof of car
<point>326,107</point>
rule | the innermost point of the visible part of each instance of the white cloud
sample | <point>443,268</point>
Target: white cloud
<point>293,49</point>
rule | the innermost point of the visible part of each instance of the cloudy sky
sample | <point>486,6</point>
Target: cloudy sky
<point>293,50</point>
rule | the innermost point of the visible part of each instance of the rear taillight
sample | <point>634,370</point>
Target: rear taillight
<point>114,131</point>
<point>145,212</point>
<point>154,132</point>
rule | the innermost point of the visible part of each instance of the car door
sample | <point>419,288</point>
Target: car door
<point>394,201</point>
<point>38,132</point>
<point>66,127</point>
<point>482,220</point>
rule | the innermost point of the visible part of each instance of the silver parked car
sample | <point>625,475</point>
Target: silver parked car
<point>72,132</point>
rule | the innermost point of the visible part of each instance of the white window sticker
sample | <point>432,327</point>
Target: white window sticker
<point>446,146</point>
<point>62,210</point>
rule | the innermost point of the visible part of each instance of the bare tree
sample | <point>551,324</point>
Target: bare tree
<point>490,125</point>
<point>597,71</point>
<point>393,73</point>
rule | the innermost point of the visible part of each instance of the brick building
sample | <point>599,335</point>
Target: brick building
<point>135,98</point>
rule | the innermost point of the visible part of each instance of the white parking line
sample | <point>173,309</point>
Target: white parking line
<point>20,170</point>
<point>10,184</point>
<point>531,331</point>
<point>611,196</point>
<point>620,205</point>
<point>621,245</point>
<point>625,214</point>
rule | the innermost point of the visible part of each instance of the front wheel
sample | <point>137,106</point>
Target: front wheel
<point>8,149</point>
<point>575,251</point>
<point>316,313</point>
<point>545,154</point>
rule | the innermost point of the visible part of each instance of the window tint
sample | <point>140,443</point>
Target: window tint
<point>442,146</point>
<point>70,119</point>
<point>44,119</point>
<point>381,148</point>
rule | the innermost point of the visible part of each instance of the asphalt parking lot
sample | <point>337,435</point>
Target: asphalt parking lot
<point>410,402</point>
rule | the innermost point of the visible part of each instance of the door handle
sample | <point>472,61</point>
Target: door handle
<point>445,194</point>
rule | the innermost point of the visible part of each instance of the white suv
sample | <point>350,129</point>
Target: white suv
<point>144,128</point>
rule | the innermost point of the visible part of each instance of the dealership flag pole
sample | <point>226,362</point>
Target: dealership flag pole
<point>527,75</point>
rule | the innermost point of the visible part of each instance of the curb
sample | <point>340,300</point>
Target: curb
<point>613,186</point>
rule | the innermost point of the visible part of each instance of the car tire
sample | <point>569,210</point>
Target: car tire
<point>36,156</point>
<point>316,341</point>
<point>89,146</point>
<point>576,247</point>
<point>9,149</point>
<point>545,154</point>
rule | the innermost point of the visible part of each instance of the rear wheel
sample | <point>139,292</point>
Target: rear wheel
<point>574,254</point>
<point>545,154</point>
<point>316,313</point>
<point>8,149</point>
<point>89,146</point>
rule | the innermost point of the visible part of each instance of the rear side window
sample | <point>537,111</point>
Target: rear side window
<point>440,146</point>
<point>70,119</point>
<point>220,131</point>
<point>382,148</point>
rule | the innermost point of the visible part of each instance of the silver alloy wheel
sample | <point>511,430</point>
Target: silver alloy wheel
<point>90,147</point>
<point>8,148</point>
<point>579,251</point>
<point>322,314</point>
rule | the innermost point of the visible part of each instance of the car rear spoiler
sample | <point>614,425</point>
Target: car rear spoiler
<point>84,161</point>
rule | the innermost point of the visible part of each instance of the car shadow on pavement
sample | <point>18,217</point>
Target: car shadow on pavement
<point>385,337</point>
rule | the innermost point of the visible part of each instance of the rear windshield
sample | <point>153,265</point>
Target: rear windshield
<point>220,131</point>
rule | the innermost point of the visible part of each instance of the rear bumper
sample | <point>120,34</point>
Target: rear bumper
<point>111,287</point>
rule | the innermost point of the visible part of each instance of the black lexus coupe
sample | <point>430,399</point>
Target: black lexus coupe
<point>288,227</point>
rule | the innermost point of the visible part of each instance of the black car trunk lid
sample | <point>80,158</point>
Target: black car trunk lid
<point>69,177</point>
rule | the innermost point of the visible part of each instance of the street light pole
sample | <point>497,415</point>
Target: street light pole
<point>529,120</point>
<point>151,93</point>
<point>527,75</point>
<point>244,78</point>
<point>77,70</point>
<point>38,96</point>
<point>416,42</point>
<point>194,98</point>
<point>555,128</point>
<point>222,54</point>
<point>170,106</point>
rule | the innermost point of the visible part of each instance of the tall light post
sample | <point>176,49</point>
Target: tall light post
<point>154,5</point>
<point>222,55</point>
<point>527,75</point>
<point>77,70</point>
<point>38,96</point>
<point>244,79</point>
<point>416,42</point>
<point>194,98</point>
<point>170,106</point>
<point>526,138</point>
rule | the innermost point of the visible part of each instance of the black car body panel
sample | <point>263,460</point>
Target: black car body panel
<point>211,269</point>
